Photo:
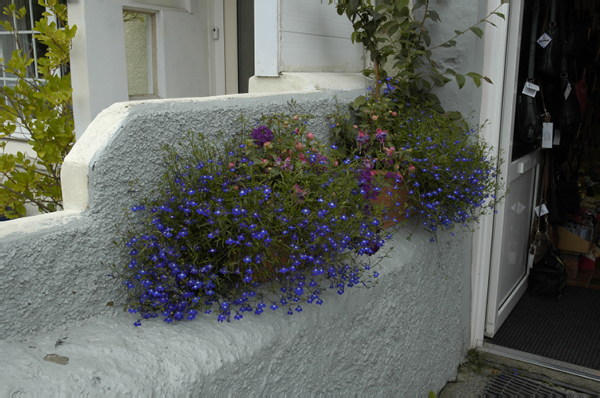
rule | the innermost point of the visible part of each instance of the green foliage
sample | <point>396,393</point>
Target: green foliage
<point>399,45</point>
<point>40,107</point>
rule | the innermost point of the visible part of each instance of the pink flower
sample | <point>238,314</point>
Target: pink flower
<point>299,146</point>
<point>310,136</point>
<point>284,165</point>
<point>299,193</point>
<point>411,168</point>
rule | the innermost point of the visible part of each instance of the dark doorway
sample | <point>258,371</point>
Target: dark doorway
<point>245,30</point>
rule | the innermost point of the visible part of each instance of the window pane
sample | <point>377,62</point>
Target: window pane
<point>138,52</point>
<point>8,82</point>
<point>25,22</point>
<point>8,45</point>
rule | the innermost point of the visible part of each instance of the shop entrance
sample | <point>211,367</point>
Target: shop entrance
<point>560,70</point>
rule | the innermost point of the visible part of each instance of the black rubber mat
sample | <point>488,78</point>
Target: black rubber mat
<point>567,330</point>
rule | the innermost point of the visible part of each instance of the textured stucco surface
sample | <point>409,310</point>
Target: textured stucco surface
<point>401,337</point>
<point>404,335</point>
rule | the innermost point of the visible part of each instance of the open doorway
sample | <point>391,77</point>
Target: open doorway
<point>245,20</point>
<point>561,65</point>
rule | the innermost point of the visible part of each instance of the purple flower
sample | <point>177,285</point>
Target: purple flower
<point>381,135</point>
<point>262,135</point>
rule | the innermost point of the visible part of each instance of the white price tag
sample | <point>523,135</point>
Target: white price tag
<point>543,209</point>
<point>547,135</point>
<point>530,89</point>
<point>544,40</point>
<point>568,91</point>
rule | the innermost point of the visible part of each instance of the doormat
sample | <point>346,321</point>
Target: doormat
<point>510,385</point>
<point>567,330</point>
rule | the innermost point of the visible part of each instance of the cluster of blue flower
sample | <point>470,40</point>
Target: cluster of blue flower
<point>449,196</point>
<point>224,237</point>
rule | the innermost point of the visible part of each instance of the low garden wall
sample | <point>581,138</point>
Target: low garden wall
<point>57,296</point>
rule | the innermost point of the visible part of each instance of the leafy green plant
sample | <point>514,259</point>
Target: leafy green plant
<point>448,170</point>
<point>265,218</point>
<point>400,47</point>
<point>39,108</point>
<point>400,126</point>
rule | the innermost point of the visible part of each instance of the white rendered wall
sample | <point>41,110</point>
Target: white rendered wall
<point>98,62</point>
<point>401,337</point>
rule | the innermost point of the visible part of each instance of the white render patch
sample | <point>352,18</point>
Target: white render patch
<point>402,336</point>
<point>75,169</point>
<point>37,223</point>
<point>289,82</point>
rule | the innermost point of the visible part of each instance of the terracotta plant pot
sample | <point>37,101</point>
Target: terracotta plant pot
<point>389,197</point>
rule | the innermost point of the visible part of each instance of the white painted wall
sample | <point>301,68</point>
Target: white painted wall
<point>98,66</point>
<point>303,36</point>
<point>314,38</point>
<point>98,63</point>
<point>304,46</point>
<point>266,38</point>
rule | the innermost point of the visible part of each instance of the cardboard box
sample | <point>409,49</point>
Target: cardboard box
<point>572,243</point>
<point>572,265</point>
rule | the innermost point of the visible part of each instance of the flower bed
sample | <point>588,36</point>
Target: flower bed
<point>269,218</point>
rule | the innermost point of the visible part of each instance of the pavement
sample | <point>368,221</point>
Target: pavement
<point>482,369</point>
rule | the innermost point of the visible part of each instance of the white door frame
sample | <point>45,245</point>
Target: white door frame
<point>218,36</point>
<point>501,46</point>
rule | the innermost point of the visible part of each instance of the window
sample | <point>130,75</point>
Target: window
<point>25,33</point>
<point>140,54</point>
